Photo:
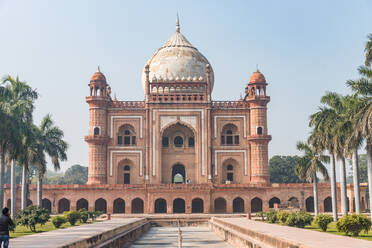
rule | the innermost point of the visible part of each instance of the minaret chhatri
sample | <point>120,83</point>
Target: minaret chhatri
<point>258,138</point>
<point>98,100</point>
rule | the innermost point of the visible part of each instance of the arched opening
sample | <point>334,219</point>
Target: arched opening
<point>63,205</point>
<point>96,131</point>
<point>256,205</point>
<point>231,171</point>
<point>100,205</point>
<point>137,206</point>
<point>178,141</point>
<point>272,201</point>
<point>178,173</point>
<point>125,169</point>
<point>127,135</point>
<point>82,204</point>
<point>229,135</point>
<point>238,205</point>
<point>119,206</point>
<point>310,204</point>
<point>179,205</point>
<point>328,204</point>
<point>126,174</point>
<point>178,145</point>
<point>45,203</point>
<point>160,206</point>
<point>197,206</point>
<point>293,202</point>
<point>259,130</point>
<point>220,205</point>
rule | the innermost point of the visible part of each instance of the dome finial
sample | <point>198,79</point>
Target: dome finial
<point>177,24</point>
<point>98,69</point>
<point>257,68</point>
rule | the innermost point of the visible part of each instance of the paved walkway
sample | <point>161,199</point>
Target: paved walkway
<point>66,236</point>
<point>305,238</point>
<point>168,237</point>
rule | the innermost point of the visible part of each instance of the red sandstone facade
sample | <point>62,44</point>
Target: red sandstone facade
<point>178,150</point>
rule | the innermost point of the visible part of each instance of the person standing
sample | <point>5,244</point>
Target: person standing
<point>5,223</point>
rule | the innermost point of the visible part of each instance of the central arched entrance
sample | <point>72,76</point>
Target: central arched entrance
<point>179,206</point>
<point>179,143</point>
<point>178,173</point>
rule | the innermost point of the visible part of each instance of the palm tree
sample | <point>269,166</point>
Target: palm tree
<point>354,141</point>
<point>54,146</point>
<point>321,138</point>
<point>309,165</point>
<point>32,153</point>
<point>362,121</point>
<point>334,104</point>
<point>16,106</point>
<point>368,51</point>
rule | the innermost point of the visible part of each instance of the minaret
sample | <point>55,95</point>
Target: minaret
<point>258,138</point>
<point>98,99</point>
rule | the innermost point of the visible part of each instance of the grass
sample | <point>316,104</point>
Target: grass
<point>22,230</point>
<point>333,230</point>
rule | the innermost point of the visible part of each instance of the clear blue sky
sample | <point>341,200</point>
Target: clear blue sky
<point>304,48</point>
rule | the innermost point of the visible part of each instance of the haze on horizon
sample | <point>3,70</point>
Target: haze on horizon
<point>303,48</point>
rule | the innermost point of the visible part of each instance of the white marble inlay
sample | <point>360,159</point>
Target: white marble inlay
<point>125,117</point>
<point>125,151</point>
<point>220,151</point>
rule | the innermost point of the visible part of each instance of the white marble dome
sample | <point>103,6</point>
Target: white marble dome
<point>177,58</point>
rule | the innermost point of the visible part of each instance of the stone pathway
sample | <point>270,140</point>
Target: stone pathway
<point>301,237</point>
<point>168,237</point>
<point>61,237</point>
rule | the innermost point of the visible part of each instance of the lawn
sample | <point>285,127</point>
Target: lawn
<point>22,230</point>
<point>333,230</point>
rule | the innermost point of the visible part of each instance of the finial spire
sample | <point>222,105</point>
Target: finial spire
<point>98,69</point>
<point>257,68</point>
<point>177,24</point>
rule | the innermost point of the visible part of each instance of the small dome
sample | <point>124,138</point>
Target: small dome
<point>257,77</point>
<point>98,76</point>
<point>177,58</point>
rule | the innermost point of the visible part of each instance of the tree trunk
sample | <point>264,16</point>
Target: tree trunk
<point>12,189</point>
<point>369,166</point>
<point>2,168</point>
<point>24,188</point>
<point>333,187</point>
<point>344,207</point>
<point>39,189</point>
<point>355,165</point>
<point>315,188</point>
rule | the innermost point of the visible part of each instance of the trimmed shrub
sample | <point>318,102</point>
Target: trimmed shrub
<point>354,224</point>
<point>31,216</point>
<point>261,214</point>
<point>322,220</point>
<point>72,217</point>
<point>282,216</point>
<point>299,219</point>
<point>271,216</point>
<point>58,221</point>
<point>94,214</point>
<point>83,215</point>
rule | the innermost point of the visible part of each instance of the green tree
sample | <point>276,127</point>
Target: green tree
<point>76,174</point>
<point>54,146</point>
<point>322,138</point>
<point>362,158</point>
<point>309,165</point>
<point>16,108</point>
<point>362,120</point>
<point>282,169</point>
